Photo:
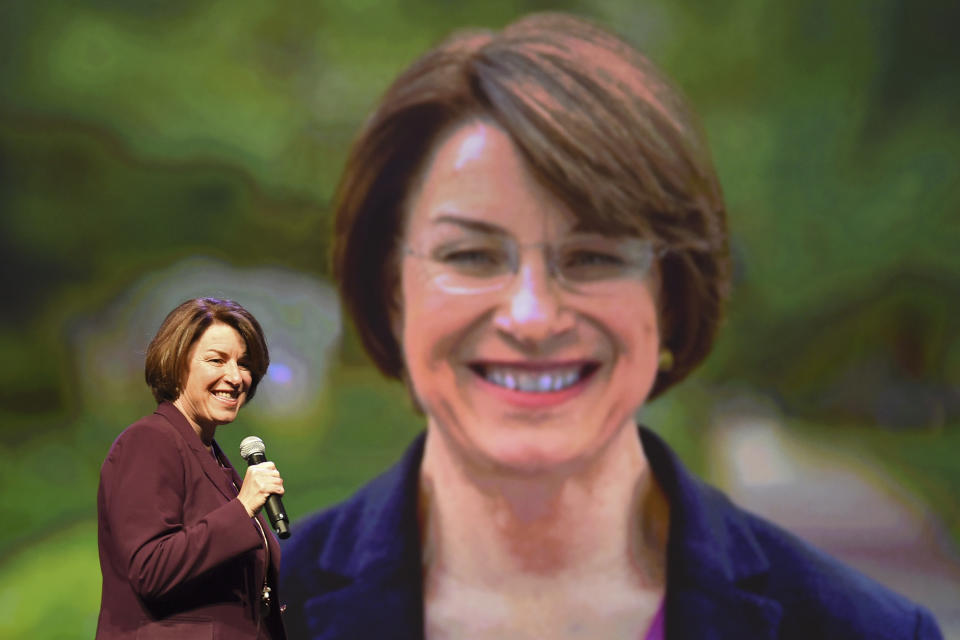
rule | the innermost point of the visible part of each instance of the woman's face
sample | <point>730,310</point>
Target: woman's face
<point>528,374</point>
<point>217,379</point>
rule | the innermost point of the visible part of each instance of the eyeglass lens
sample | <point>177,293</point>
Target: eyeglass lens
<point>479,262</point>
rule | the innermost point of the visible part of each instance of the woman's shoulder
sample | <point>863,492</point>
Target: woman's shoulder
<point>377,522</point>
<point>153,434</point>
<point>818,591</point>
<point>723,553</point>
<point>816,594</point>
<point>364,549</point>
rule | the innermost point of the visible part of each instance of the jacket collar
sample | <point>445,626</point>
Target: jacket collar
<point>371,563</point>
<point>716,569</point>
<point>209,464</point>
<point>213,471</point>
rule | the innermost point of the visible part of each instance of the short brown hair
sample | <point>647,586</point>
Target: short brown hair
<point>166,361</point>
<point>597,124</point>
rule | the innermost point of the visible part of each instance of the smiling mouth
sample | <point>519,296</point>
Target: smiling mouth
<point>534,379</point>
<point>226,395</point>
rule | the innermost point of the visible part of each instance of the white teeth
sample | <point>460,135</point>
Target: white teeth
<point>519,380</point>
<point>527,382</point>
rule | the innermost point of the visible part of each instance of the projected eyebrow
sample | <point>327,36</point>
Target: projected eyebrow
<point>471,224</point>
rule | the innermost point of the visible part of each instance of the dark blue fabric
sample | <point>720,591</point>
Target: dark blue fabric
<point>354,572</point>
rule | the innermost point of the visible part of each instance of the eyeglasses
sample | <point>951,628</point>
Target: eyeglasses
<point>589,265</point>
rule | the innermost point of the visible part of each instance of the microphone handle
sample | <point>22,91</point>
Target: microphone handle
<point>273,506</point>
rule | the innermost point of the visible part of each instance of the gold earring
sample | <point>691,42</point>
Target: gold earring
<point>665,360</point>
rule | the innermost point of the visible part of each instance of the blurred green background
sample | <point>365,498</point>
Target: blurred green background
<point>151,151</point>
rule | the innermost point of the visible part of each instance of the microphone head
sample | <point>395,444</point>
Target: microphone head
<point>251,445</point>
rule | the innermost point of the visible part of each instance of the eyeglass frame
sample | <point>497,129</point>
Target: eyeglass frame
<point>653,251</point>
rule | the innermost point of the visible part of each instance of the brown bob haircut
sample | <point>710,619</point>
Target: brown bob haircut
<point>598,126</point>
<point>166,362</point>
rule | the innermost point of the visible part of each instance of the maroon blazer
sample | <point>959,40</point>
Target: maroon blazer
<point>179,555</point>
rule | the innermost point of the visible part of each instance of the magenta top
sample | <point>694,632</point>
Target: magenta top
<point>657,630</point>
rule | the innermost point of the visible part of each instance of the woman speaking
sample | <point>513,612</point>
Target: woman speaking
<point>184,552</point>
<point>529,234</point>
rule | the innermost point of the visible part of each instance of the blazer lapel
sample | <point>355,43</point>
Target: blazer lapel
<point>211,468</point>
<point>261,518</point>
<point>375,606</point>
<point>716,569</point>
<point>273,546</point>
<point>371,563</point>
<point>728,614</point>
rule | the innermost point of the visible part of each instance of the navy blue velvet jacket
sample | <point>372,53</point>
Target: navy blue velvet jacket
<point>354,571</point>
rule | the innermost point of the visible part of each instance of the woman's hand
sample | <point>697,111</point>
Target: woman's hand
<point>260,481</point>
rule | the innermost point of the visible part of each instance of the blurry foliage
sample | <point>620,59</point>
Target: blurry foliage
<point>134,134</point>
<point>832,129</point>
<point>54,591</point>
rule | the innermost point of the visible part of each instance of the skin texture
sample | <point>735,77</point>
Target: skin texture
<point>217,366</point>
<point>551,491</point>
<point>477,174</point>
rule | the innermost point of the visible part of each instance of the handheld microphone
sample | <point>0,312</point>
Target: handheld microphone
<point>253,451</point>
